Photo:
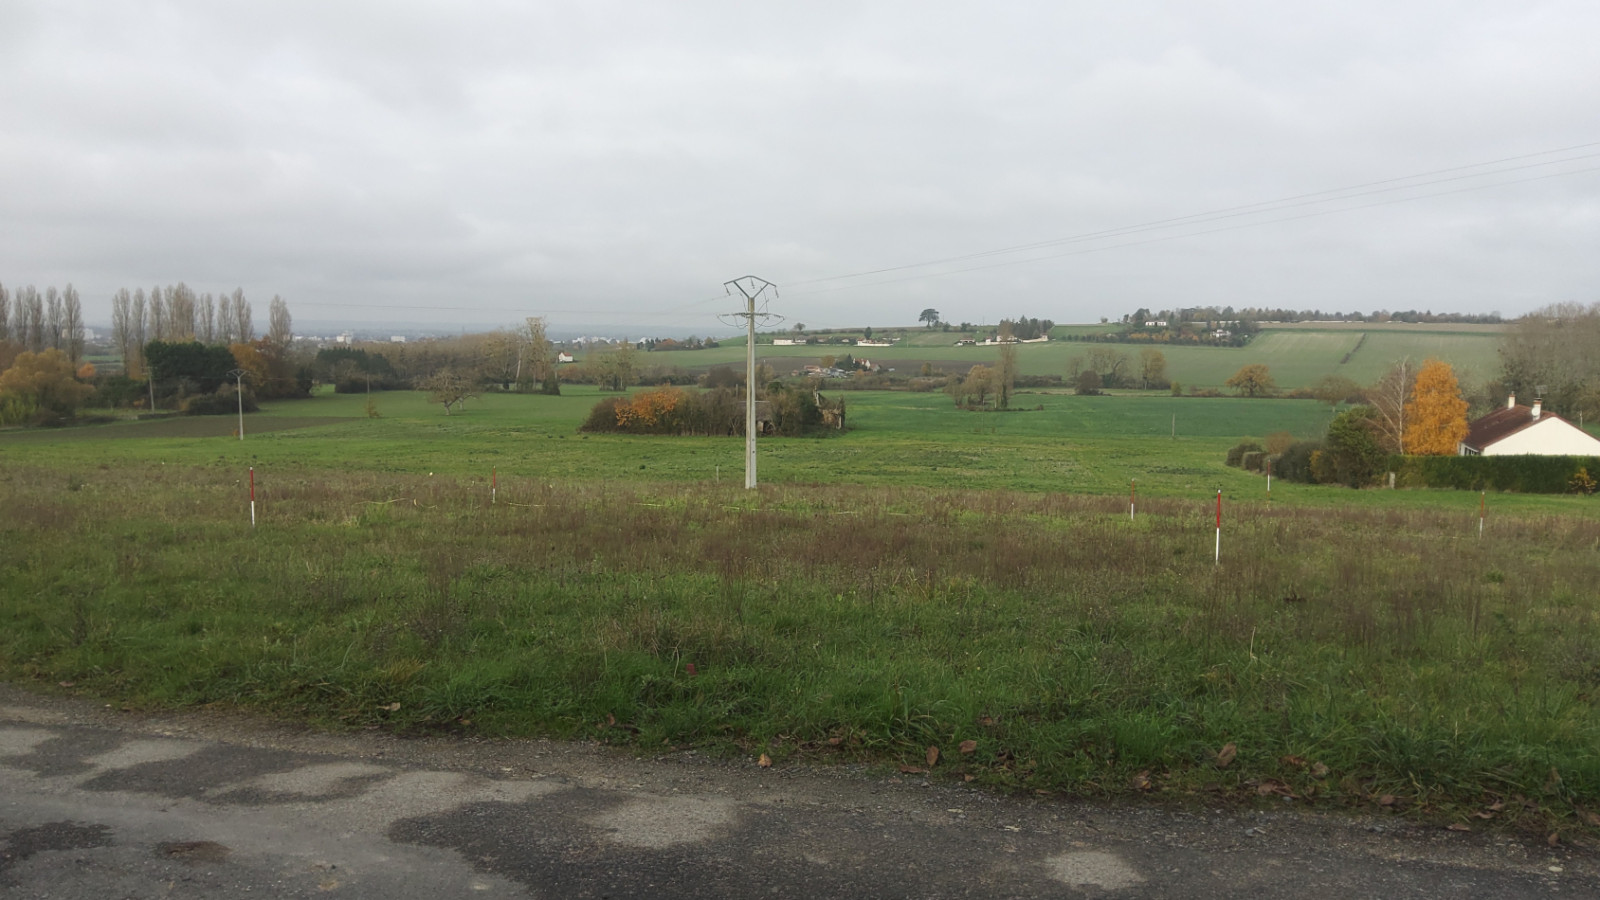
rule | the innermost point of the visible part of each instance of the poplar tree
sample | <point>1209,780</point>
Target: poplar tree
<point>1436,416</point>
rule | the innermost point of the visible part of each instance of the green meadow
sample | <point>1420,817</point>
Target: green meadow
<point>927,578</point>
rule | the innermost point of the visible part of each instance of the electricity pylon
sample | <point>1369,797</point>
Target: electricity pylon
<point>752,289</point>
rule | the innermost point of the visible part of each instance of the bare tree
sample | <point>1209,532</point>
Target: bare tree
<point>5,314</point>
<point>244,330</point>
<point>1005,376</point>
<point>536,357</point>
<point>72,324</point>
<point>158,315</point>
<point>122,329</point>
<point>181,312</point>
<point>139,328</point>
<point>55,319</point>
<point>280,330</point>
<point>448,388</point>
<point>207,319</point>
<point>1388,396</point>
<point>1555,352</point>
<point>29,317</point>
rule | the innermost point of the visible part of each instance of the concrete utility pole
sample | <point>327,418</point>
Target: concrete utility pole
<point>238,375</point>
<point>751,288</point>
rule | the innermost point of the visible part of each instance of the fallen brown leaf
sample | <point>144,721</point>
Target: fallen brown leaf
<point>1271,786</point>
<point>1299,762</point>
<point>933,757</point>
<point>1386,800</point>
<point>393,707</point>
<point>765,761</point>
<point>1457,826</point>
<point>1554,839</point>
<point>912,770</point>
<point>1226,754</point>
<point>1141,781</point>
<point>986,721</point>
<point>1318,770</point>
<point>1592,818</point>
<point>969,746</point>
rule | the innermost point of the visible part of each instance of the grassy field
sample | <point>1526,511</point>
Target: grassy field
<point>1297,354</point>
<point>928,578</point>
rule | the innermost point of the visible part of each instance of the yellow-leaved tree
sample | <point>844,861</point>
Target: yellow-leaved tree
<point>1436,416</point>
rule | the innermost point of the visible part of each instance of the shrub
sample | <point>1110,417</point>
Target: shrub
<point>1294,464</point>
<point>1254,461</point>
<point>224,402</point>
<point>603,416</point>
<point>1279,441</point>
<point>1236,453</point>
<point>1581,482</point>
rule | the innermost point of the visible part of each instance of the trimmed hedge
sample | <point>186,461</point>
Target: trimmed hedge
<point>1235,457</point>
<point>1522,474</point>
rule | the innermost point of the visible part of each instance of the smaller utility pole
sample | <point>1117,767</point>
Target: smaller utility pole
<point>238,377</point>
<point>751,288</point>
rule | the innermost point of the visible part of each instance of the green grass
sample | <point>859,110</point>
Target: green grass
<point>929,577</point>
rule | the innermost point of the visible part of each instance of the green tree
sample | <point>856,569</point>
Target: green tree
<point>1353,454</point>
<point>1253,380</point>
<point>929,317</point>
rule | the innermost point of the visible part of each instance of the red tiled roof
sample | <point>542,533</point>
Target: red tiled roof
<point>1501,424</point>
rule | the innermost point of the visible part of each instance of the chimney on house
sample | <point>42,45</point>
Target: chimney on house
<point>1511,402</point>
<point>1536,406</point>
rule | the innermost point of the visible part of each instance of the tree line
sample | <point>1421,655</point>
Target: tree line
<point>36,321</point>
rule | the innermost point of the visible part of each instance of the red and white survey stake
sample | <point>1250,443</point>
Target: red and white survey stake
<point>1218,560</point>
<point>1482,502</point>
<point>1269,479</point>
<point>494,483</point>
<point>252,496</point>
<point>1133,496</point>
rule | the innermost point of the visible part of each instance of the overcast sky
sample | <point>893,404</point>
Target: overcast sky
<point>614,163</point>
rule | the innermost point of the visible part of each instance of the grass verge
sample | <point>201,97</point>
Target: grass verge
<point>1042,641</point>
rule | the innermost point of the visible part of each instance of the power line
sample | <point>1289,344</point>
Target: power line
<point>1174,237</point>
<point>1297,200</point>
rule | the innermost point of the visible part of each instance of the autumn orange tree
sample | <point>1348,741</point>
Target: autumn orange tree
<point>1436,416</point>
<point>1253,380</point>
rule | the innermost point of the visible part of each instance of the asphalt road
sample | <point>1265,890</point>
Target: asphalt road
<point>96,803</point>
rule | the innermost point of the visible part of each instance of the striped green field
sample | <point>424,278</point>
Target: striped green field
<point>1297,354</point>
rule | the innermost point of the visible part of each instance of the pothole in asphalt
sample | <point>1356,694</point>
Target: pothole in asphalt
<point>665,821</point>
<point>1093,868</point>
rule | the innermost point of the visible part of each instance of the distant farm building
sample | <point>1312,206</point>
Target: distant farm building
<point>1516,430</point>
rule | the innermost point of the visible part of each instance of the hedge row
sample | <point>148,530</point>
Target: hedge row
<point>1524,474</point>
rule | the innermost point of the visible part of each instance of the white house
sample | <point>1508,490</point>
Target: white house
<point>1526,430</point>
